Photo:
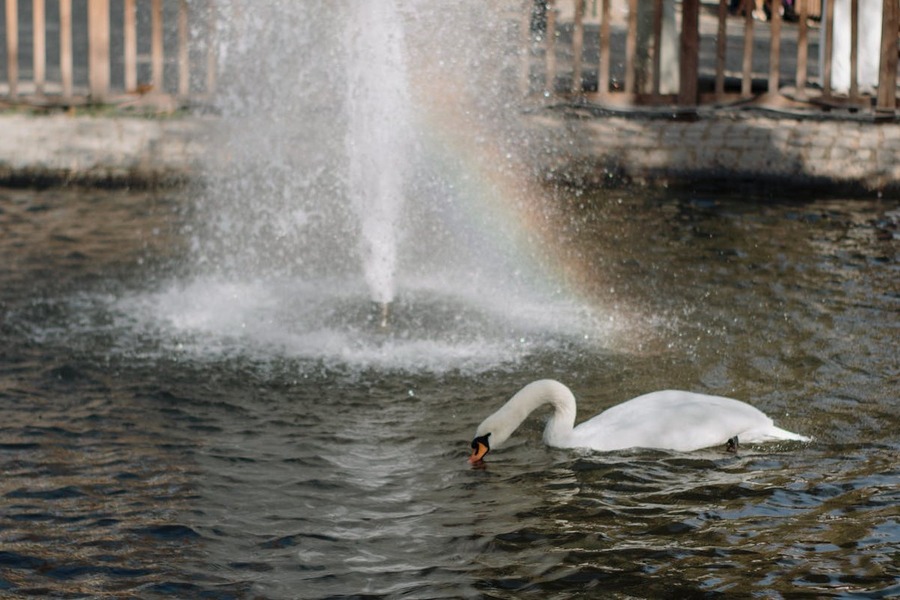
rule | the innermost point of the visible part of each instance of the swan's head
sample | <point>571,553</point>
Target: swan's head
<point>500,425</point>
<point>492,433</point>
<point>480,447</point>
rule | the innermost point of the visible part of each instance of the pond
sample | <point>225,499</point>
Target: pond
<point>147,452</point>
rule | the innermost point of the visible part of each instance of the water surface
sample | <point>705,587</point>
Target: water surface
<point>151,457</point>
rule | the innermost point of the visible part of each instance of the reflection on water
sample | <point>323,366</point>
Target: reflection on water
<point>134,469</point>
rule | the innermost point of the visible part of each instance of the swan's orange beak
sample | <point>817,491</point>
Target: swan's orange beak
<point>480,447</point>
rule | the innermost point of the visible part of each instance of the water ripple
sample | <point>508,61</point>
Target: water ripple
<point>134,469</point>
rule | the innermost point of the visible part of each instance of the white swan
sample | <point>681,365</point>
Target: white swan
<point>669,420</point>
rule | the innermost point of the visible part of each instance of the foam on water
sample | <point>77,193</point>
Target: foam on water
<point>333,322</point>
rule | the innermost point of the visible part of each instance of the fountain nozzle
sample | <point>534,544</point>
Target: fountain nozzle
<point>384,314</point>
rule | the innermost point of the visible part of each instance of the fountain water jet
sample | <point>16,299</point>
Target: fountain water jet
<point>368,170</point>
<point>378,138</point>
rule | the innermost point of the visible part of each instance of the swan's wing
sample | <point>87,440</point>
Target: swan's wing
<point>672,420</point>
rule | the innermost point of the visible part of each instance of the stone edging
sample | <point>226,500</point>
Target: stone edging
<point>117,151</point>
<point>589,149</point>
<point>727,147</point>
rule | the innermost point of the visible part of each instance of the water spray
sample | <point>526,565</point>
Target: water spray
<point>378,137</point>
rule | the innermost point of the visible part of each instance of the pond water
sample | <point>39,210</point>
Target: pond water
<point>148,457</point>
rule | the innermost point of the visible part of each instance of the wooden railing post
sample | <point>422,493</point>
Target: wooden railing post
<point>887,76</point>
<point>688,95</point>
<point>130,42</point>
<point>156,46</point>
<point>657,46</point>
<point>550,49</point>
<point>184,73</point>
<point>39,26</point>
<point>775,48</point>
<point>525,39</point>
<point>12,48</point>
<point>631,48</point>
<point>854,50</point>
<point>747,65</point>
<point>721,40</point>
<point>603,74</point>
<point>829,48</point>
<point>98,49</point>
<point>211,56</point>
<point>802,50</point>
<point>578,48</point>
<point>65,47</point>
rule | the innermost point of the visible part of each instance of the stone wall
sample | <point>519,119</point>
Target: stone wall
<point>91,150</point>
<point>726,147</point>
<point>576,145</point>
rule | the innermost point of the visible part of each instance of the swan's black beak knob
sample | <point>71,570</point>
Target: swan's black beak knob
<point>480,447</point>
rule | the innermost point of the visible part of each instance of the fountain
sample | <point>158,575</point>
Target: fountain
<point>369,201</point>
<point>378,138</point>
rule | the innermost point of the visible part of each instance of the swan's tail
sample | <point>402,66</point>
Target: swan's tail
<point>777,433</point>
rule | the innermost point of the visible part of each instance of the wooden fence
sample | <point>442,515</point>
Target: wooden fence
<point>651,52</point>
<point>108,51</point>
<point>559,65</point>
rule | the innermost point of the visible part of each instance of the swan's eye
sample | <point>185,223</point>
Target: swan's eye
<point>481,440</point>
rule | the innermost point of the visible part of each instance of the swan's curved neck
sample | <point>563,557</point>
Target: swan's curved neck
<point>505,421</point>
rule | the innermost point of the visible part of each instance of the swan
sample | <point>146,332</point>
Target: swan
<point>668,420</point>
